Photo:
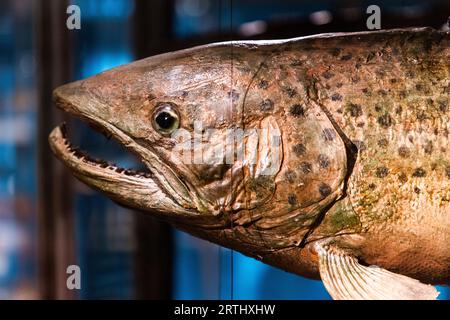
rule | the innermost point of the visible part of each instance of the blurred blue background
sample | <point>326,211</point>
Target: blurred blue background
<point>105,234</point>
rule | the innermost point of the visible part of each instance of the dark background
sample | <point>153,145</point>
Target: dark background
<point>48,220</point>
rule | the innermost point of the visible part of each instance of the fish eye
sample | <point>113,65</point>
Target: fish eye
<point>166,119</point>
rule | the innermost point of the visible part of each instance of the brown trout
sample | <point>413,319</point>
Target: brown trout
<point>347,180</point>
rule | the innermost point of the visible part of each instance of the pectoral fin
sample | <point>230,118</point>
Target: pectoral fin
<point>346,279</point>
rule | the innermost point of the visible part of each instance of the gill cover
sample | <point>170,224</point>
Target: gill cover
<point>313,160</point>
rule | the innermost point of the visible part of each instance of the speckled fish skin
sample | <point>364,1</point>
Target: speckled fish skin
<point>364,123</point>
<point>391,99</point>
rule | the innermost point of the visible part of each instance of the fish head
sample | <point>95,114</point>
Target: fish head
<point>172,111</point>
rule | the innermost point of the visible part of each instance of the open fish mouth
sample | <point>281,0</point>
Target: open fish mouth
<point>86,167</point>
<point>82,163</point>
<point>126,186</point>
<point>155,188</point>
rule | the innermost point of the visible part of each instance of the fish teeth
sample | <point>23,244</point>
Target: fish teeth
<point>83,156</point>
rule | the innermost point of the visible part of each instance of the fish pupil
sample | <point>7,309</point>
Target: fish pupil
<point>165,120</point>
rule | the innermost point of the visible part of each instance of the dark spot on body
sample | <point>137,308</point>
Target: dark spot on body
<point>328,75</point>
<point>323,161</point>
<point>346,57</point>
<point>428,147</point>
<point>419,87</point>
<point>404,152</point>
<point>443,106</point>
<point>329,134</point>
<point>297,110</point>
<point>354,109</point>
<point>360,124</point>
<point>324,189</point>
<point>378,107</point>
<point>381,172</point>
<point>360,145</point>
<point>422,116</point>
<point>447,171</point>
<point>393,81</point>
<point>336,97</point>
<point>355,79</point>
<point>416,190</point>
<point>290,176</point>
<point>306,167</point>
<point>419,173</point>
<point>292,199</point>
<point>425,89</point>
<point>385,120</point>
<point>402,94</point>
<point>402,177</point>
<point>266,105</point>
<point>263,84</point>
<point>398,110</point>
<point>339,85</point>
<point>291,92</point>
<point>411,139</point>
<point>372,186</point>
<point>299,149</point>
<point>383,143</point>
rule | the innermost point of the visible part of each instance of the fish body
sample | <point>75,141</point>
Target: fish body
<point>339,152</point>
